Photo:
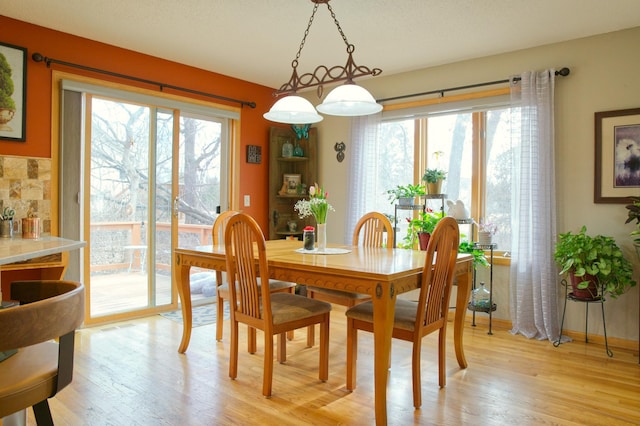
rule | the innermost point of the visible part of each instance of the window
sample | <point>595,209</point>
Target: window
<point>473,147</point>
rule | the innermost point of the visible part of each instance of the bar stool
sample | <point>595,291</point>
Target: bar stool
<point>597,299</point>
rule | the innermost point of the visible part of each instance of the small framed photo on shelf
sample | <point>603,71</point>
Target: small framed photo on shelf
<point>292,182</point>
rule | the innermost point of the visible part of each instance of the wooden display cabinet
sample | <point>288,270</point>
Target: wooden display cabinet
<point>283,194</point>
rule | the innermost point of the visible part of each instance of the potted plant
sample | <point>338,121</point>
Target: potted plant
<point>420,229</point>
<point>634,214</point>
<point>434,178</point>
<point>405,194</point>
<point>479,259</point>
<point>595,265</point>
<point>6,222</point>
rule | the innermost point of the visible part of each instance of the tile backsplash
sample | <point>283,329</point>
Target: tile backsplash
<point>25,185</point>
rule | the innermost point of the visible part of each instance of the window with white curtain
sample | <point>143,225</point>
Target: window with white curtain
<point>473,146</point>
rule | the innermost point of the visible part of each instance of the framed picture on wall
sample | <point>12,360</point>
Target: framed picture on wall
<point>13,92</point>
<point>617,156</point>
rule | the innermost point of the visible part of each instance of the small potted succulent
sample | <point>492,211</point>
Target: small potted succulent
<point>434,178</point>
<point>6,222</point>
<point>405,194</point>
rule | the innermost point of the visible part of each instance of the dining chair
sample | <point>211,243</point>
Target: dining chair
<point>370,231</point>
<point>414,320</point>
<point>273,313</point>
<point>38,367</point>
<point>222,290</point>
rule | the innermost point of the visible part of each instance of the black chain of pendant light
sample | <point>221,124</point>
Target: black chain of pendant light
<point>322,74</point>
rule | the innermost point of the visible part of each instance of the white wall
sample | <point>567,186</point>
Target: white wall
<point>604,76</point>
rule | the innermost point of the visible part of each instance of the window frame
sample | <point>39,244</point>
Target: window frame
<point>421,110</point>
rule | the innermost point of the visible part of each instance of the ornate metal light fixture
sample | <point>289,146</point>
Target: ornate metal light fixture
<point>345,100</point>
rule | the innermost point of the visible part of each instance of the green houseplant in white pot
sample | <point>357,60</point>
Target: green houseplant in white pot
<point>595,264</point>
<point>405,194</point>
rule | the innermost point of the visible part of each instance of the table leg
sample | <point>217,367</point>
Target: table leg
<point>184,291</point>
<point>462,298</point>
<point>383,310</point>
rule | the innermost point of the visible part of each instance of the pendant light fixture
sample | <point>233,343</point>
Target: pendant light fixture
<point>348,99</point>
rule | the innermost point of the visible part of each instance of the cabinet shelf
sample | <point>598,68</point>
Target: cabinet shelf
<point>281,203</point>
<point>296,196</point>
<point>293,159</point>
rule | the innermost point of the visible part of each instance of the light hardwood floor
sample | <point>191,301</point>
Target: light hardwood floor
<point>130,373</point>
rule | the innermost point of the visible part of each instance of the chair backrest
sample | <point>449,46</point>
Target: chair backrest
<point>373,227</point>
<point>219,225</point>
<point>437,278</point>
<point>242,238</point>
<point>48,310</point>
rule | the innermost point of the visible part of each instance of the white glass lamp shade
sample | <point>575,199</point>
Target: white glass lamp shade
<point>293,110</point>
<point>349,100</point>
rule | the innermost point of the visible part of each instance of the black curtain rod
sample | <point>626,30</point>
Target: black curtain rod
<point>562,71</point>
<point>37,57</point>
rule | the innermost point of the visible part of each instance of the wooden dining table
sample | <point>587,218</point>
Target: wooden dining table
<point>378,272</point>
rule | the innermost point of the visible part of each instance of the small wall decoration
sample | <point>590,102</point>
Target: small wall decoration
<point>339,147</point>
<point>617,155</point>
<point>254,154</point>
<point>13,89</point>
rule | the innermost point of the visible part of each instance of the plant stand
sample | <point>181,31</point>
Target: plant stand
<point>598,299</point>
<point>492,306</point>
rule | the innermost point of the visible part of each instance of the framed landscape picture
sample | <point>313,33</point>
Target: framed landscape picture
<point>617,155</point>
<point>13,90</point>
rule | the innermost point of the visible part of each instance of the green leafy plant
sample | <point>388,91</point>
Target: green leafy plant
<point>597,256</point>
<point>434,175</point>
<point>405,191</point>
<point>8,213</point>
<point>479,259</point>
<point>425,222</point>
<point>634,214</point>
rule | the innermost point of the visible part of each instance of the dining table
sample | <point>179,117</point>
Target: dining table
<point>379,272</point>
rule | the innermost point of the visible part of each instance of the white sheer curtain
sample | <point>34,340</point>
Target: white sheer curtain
<point>534,302</point>
<point>362,174</point>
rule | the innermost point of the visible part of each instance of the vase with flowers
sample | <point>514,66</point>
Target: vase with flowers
<point>316,206</point>
<point>486,231</point>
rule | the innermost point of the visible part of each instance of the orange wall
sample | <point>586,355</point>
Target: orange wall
<point>69,48</point>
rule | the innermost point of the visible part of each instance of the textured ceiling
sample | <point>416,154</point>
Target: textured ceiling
<point>256,40</point>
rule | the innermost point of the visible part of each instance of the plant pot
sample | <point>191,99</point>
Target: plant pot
<point>589,293</point>
<point>434,187</point>
<point>405,201</point>
<point>484,238</point>
<point>423,240</point>
<point>6,228</point>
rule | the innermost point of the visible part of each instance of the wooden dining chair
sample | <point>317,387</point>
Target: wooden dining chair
<point>273,313</point>
<point>222,290</point>
<point>40,367</point>
<point>414,320</point>
<point>370,231</point>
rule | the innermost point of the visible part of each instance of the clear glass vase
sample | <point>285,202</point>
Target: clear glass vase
<point>322,237</point>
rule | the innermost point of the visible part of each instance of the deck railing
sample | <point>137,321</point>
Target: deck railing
<point>112,244</point>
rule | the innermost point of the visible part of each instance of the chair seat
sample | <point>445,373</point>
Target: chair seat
<point>338,293</point>
<point>286,307</point>
<point>29,375</point>
<point>274,285</point>
<point>403,318</point>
